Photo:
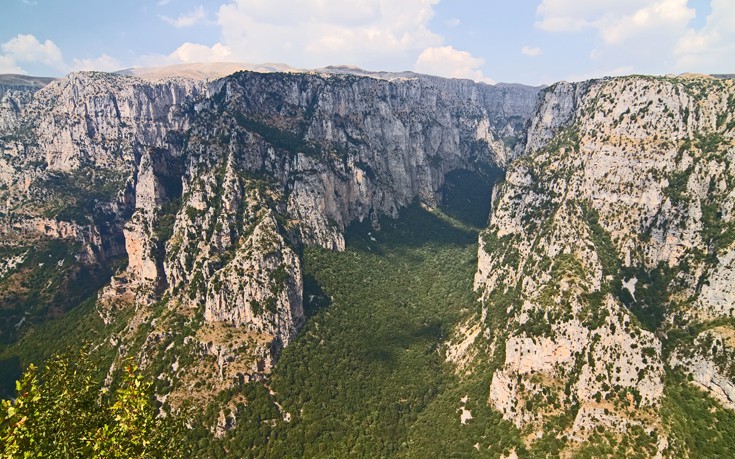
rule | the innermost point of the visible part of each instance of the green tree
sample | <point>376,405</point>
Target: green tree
<point>61,411</point>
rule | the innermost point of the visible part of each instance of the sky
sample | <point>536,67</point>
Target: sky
<point>520,41</point>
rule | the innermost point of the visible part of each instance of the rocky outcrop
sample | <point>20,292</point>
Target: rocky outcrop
<point>75,152</point>
<point>348,148</point>
<point>557,108</point>
<point>261,287</point>
<point>612,230</point>
<point>709,364</point>
<point>103,120</point>
<point>16,92</point>
<point>717,295</point>
<point>28,230</point>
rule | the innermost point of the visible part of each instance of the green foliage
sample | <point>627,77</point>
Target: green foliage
<point>636,443</point>
<point>393,301</point>
<point>651,294</point>
<point>279,277</point>
<point>593,316</point>
<point>69,331</point>
<point>652,289</point>
<point>717,234</point>
<point>192,213</point>
<point>365,378</point>
<point>494,244</point>
<point>131,429</point>
<point>677,188</point>
<point>74,196</point>
<point>42,419</point>
<point>438,432</point>
<point>567,138</point>
<point>709,142</point>
<point>61,411</point>
<point>601,239</point>
<point>698,426</point>
<point>48,283</point>
<point>279,138</point>
<point>537,324</point>
<point>165,225</point>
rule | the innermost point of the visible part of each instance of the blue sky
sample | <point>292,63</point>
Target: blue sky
<point>525,41</point>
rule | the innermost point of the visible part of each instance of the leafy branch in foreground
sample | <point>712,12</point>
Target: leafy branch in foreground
<point>60,410</point>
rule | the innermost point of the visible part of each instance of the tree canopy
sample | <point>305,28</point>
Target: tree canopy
<point>61,410</point>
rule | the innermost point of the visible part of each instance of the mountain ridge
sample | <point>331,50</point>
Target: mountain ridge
<point>605,272</point>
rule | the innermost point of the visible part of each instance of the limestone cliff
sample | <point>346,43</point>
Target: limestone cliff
<point>207,189</point>
<point>16,91</point>
<point>608,238</point>
<point>607,267</point>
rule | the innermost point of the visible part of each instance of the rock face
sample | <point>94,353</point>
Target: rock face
<point>16,91</point>
<point>607,265</point>
<point>208,188</point>
<point>263,282</point>
<point>348,148</point>
<point>614,230</point>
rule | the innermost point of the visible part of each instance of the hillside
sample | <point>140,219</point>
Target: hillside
<point>605,271</point>
<point>346,263</point>
<point>200,195</point>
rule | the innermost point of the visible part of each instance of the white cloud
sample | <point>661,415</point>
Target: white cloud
<point>668,17</point>
<point>614,20</point>
<point>27,49</point>
<point>313,33</point>
<point>531,51</point>
<point>711,49</point>
<point>189,19</point>
<point>103,63</point>
<point>189,53</point>
<point>454,22</point>
<point>27,52</point>
<point>451,63</point>
<point>652,36</point>
<point>575,15</point>
<point>8,65</point>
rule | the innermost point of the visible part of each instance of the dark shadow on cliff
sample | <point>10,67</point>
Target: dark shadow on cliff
<point>463,212</point>
<point>10,372</point>
<point>467,195</point>
<point>416,226</point>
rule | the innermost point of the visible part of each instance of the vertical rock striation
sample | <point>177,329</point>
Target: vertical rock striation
<point>611,234</point>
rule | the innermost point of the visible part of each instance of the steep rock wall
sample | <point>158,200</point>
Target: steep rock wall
<point>614,230</point>
<point>208,187</point>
